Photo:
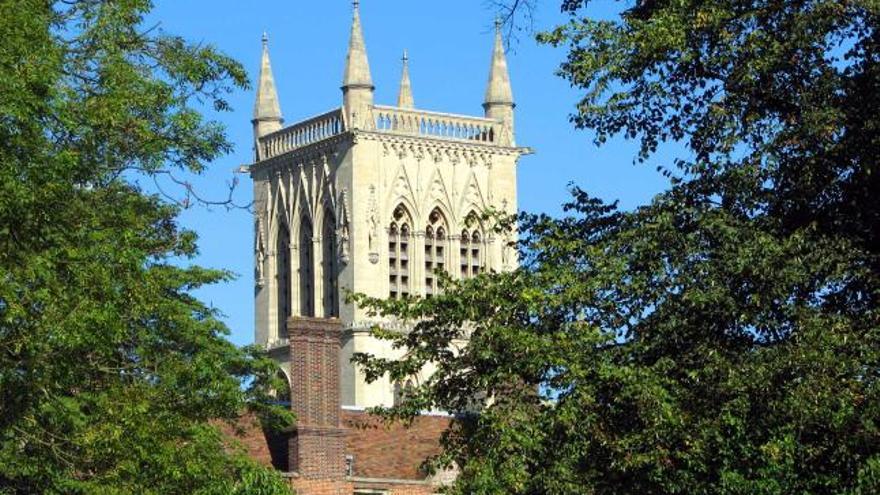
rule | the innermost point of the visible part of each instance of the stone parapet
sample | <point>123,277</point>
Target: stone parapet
<point>301,134</point>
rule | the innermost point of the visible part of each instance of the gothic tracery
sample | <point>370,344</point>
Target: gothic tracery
<point>436,250</point>
<point>375,199</point>
<point>399,233</point>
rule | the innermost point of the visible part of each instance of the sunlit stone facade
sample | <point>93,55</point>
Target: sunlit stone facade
<point>374,199</point>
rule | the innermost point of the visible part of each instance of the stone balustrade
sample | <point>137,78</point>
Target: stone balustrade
<point>302,134</point>
<point>437,125</point>
<point>385,119</point>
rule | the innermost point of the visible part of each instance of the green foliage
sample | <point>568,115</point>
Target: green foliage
<point>724,338</point>
<point>111,373</point>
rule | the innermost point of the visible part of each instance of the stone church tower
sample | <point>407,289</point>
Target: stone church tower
<point>372,199</point>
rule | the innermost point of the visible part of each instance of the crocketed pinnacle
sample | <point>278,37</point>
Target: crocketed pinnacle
<point>357,67</point>
<point>405,96</point>
<point>266,106</point>
<point>498,91</point>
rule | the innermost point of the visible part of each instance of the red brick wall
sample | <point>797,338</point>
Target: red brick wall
<point>413,490</point>
<point>391,451</point>
<point>321,487</point>
<point>385,456</point>
<point>249,434</point>
<point>398,488</point>
<point>265,448</point>
<point>328,487</point>
<point>316,449</point>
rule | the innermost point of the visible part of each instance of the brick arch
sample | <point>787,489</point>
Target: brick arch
<point>284,375</point>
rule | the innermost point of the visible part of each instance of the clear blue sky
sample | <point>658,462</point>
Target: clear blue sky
<point>449,46</point>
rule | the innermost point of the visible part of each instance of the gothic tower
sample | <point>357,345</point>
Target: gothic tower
<point>373,199</point>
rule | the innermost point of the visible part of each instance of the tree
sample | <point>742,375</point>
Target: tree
<point>111,373</point>
<point>725,337</point>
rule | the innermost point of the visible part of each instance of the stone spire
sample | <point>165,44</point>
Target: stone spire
<point>357,85</point>
<point>267,110</point>
<point>405,96</point>
<point>498,103</point>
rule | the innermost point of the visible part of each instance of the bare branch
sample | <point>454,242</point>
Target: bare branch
<point>189,195</point>
<point>516,17</point>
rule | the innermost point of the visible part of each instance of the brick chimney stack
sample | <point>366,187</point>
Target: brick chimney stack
<point>317,447</point>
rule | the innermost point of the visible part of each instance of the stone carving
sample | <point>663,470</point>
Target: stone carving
<point>373,226</point>
<point>260,248</point>
<point>342,230</point>
<point>472,197</point>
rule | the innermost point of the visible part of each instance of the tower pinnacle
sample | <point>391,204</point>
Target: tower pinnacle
<point>498,103</point>
<point>357,67</point>
<point>405,96</point>
<point>267,110</point>
<point>357,85</point>
<point>498,90</point>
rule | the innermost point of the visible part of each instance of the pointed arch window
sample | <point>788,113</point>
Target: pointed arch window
<point>283,279</point>
<point>472,253</point>
<point>306,269</point>
<point>403,391</point>
<point>398,394</point>
<point>329,266</point>
<point>435,250</point>
<point>399,237</point>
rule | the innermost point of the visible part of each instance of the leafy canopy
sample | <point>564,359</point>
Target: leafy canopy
<point>111,373</point>
<point>725,337</point>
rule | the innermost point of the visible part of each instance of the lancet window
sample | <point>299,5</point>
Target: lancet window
<point>399,240</point>
<point>398,393</point>
<point>306,269</point>
<point>435,251</point>
<point>283,279</point>
<point>471,253</point>
<point>329,266</point>
<point>402,392</point>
